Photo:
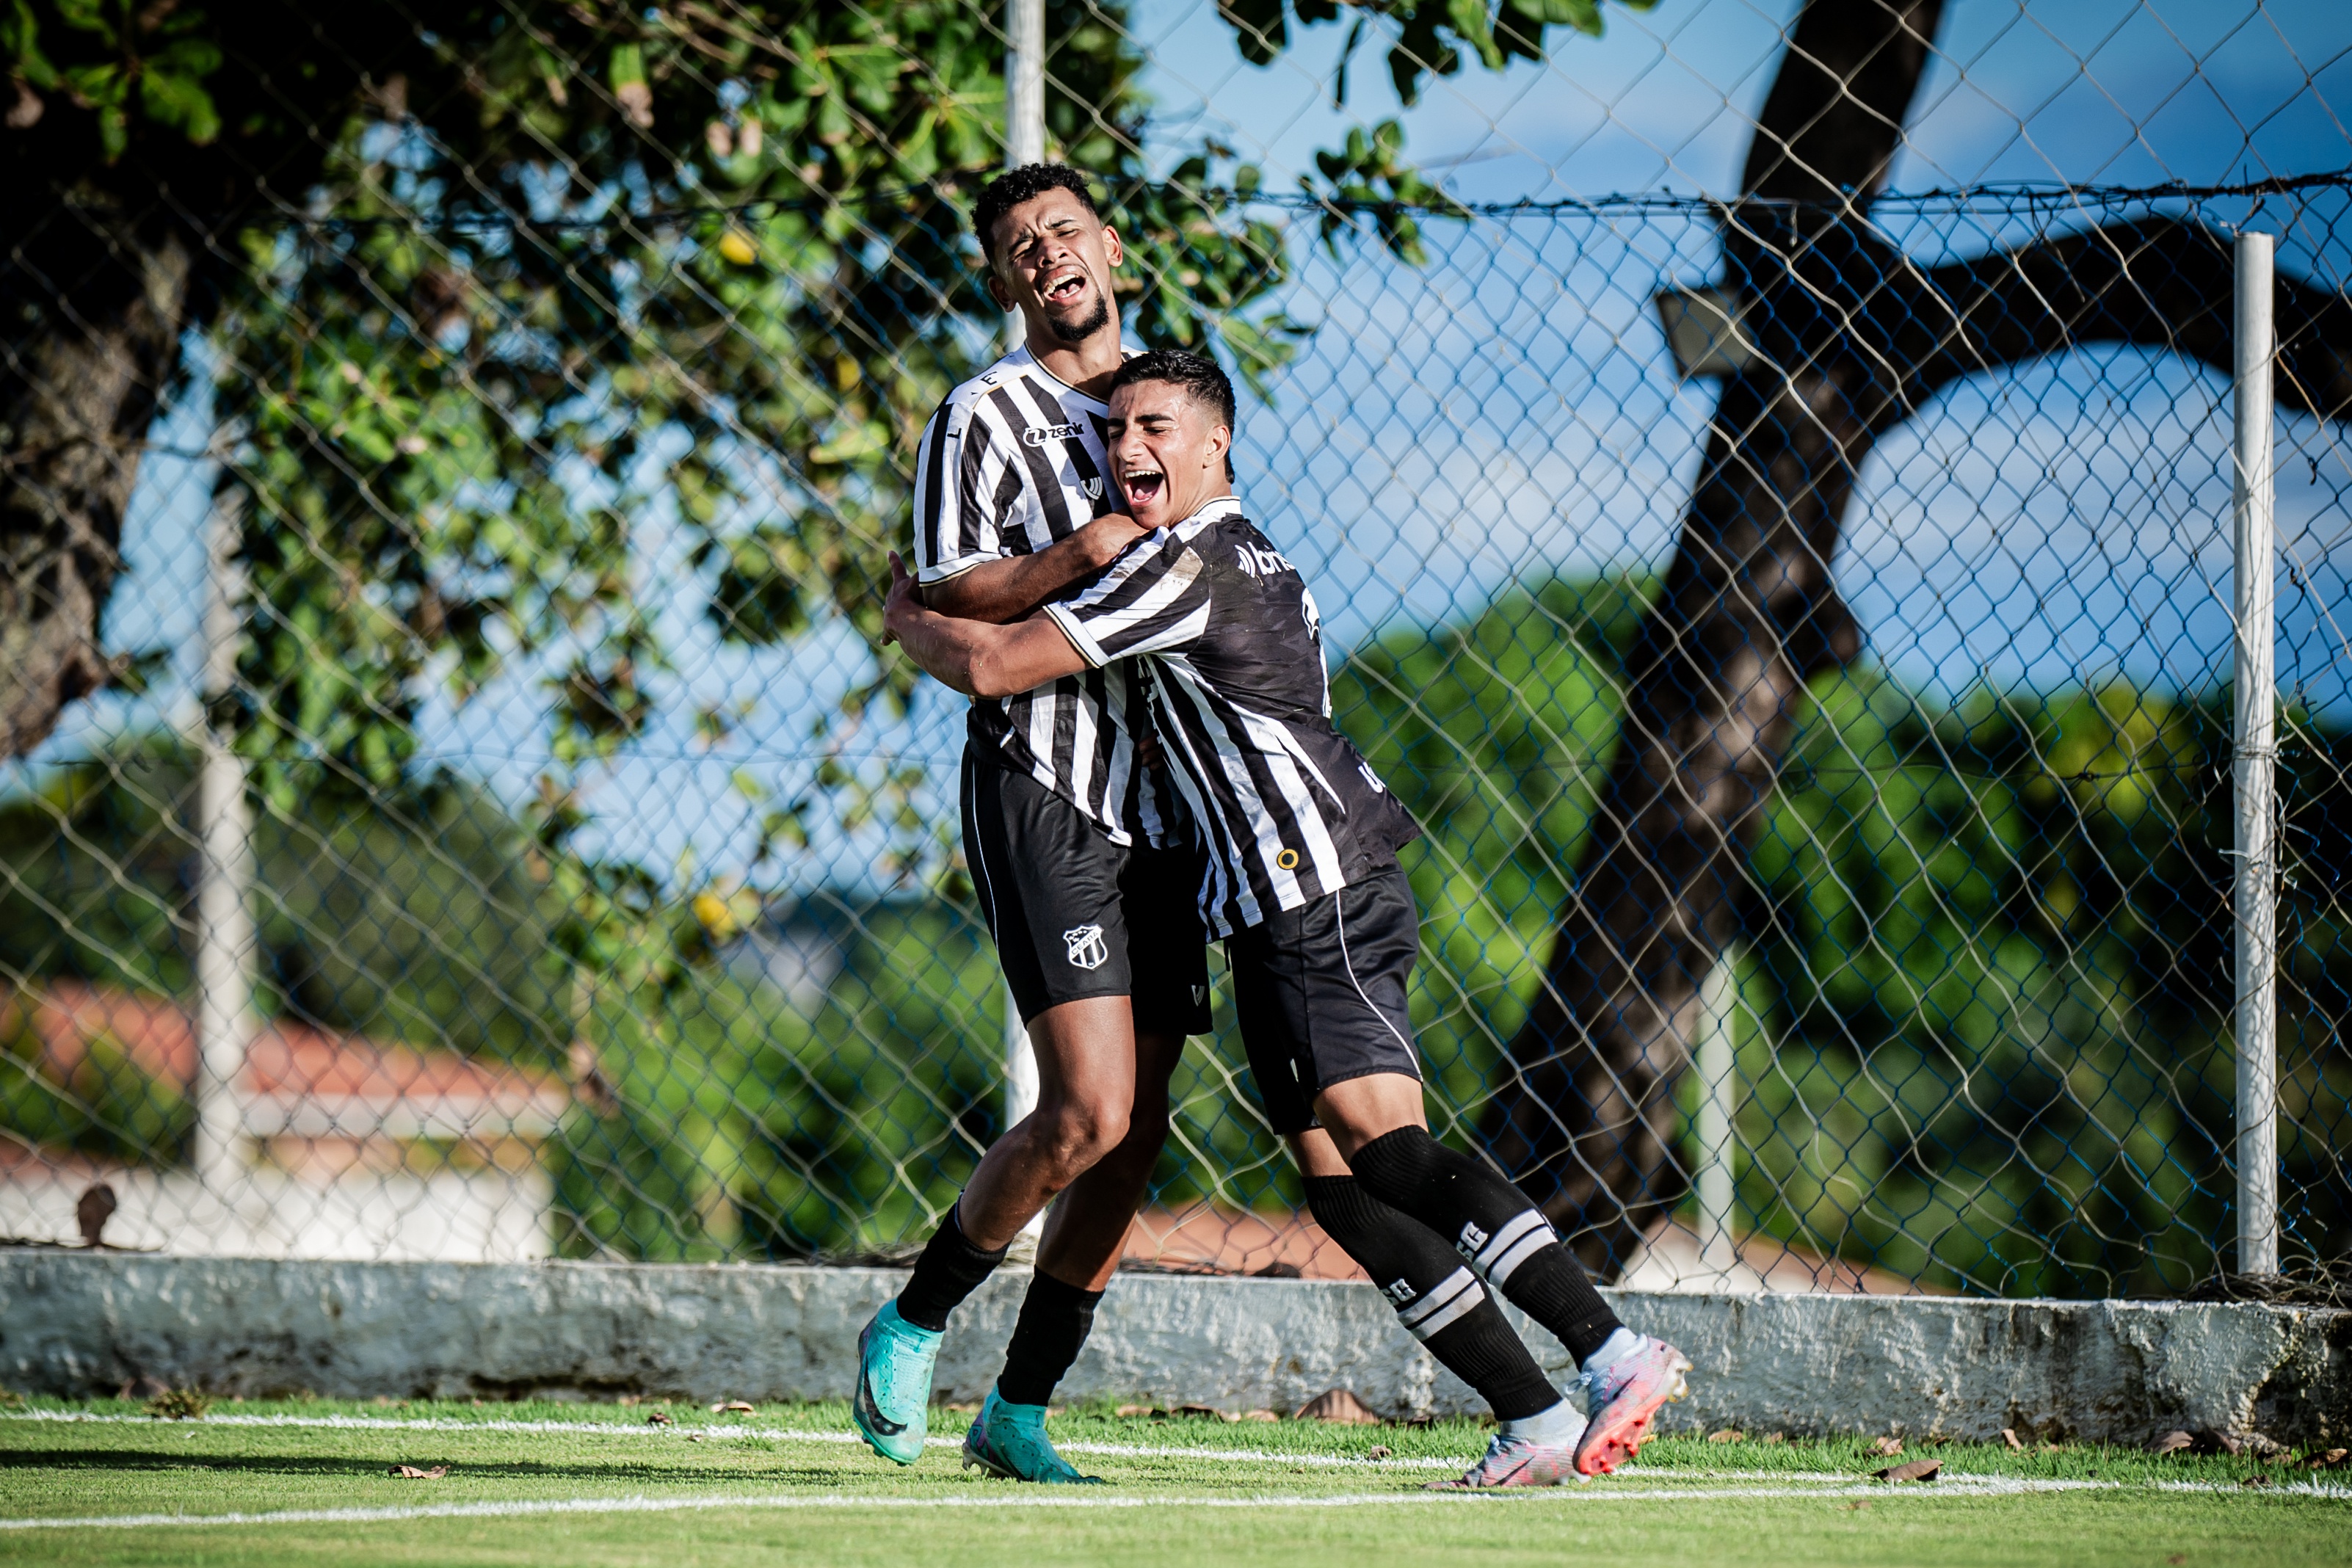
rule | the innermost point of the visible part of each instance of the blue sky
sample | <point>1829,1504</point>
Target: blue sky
<point>1510,410</point>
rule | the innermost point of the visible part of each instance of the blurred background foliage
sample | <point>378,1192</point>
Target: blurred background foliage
<point>1976,1041</point>
<point>1969,1035</point>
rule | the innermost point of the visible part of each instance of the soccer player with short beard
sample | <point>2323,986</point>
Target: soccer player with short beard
<point>1320,926</point>
<point>1081,869</point>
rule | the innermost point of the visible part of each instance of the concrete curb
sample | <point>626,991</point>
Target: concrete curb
<point>79,1324</point>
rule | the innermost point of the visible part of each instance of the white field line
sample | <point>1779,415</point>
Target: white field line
<point>1793,1483</point>
<point>804,1434</point>
<point>1985,1486</point>
<point>774,1434</point>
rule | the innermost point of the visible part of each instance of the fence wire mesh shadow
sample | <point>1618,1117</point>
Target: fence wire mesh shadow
<point>1804,636</point>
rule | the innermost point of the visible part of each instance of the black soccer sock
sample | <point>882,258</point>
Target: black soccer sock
<point>1056,1318</point>
<point>1434,1297</point>
<point>1493,1226</point>
<point>950,1268</point>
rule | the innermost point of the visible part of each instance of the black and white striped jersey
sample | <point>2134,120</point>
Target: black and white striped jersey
<point>1290,811</point>
<point>1013,461</point>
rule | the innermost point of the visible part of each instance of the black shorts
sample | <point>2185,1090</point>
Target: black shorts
<point>1075,915</point>
<point>1321,994</point>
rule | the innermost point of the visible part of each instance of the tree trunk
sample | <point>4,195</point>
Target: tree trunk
<point>1851,337</point>
<point>1749,612</point>
<point>1748,615</point>
<point>90,314</point>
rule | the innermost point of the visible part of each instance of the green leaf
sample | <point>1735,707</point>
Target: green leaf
<point>1584,16</point>
<point>1470,19</point>
<point>171,90</point>
<point>20,36</point>
<point>1260,31</point>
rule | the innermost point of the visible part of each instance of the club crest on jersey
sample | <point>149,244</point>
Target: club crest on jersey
<point>1090,489</point>
<point>1038,434</point>
<point>1086,948</point>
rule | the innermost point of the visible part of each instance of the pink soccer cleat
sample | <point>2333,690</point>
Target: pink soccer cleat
<point>1623,1398</point>
<point>1517,1462</point>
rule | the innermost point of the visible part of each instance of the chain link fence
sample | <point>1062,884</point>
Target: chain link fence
<point>1803,630</point>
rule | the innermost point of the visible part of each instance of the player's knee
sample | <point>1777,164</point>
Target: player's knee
<point>1396,1168</point>
<point>1147,1130</point>
<point>1080,1130</point>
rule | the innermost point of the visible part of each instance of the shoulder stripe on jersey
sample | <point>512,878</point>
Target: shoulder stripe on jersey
<point>928,485</point>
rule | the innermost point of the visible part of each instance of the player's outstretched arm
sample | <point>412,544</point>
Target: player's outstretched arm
<point>1011,587</point>
<point>975,657</point>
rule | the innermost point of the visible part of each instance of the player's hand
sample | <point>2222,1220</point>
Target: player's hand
<point>1108,535</point>
<point>905,597</point>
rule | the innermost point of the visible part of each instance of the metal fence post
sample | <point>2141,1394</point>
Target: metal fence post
<point>1025,142</point>
<point>2254,754</point>
<point>224,925</point>
<point>1719,993</point>
<point>1025,104</point>
<point>1025,83</point>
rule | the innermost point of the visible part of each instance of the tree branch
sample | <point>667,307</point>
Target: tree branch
<point>2163,283</point>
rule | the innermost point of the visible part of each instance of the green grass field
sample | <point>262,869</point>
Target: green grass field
<point>572,1485</point>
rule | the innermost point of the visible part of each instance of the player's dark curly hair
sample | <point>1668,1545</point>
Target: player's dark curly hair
<point>1027,183</point>
<point>1200,377</point>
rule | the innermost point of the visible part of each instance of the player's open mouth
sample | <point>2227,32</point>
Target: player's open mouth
<point>1063,290</point>
<point>1142,485</point>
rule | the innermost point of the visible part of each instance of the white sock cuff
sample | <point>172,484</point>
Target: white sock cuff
<point>1557,1428</point>
<point>1614,1349</point>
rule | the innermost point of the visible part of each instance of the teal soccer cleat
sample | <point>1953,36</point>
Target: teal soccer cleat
<point>1010,1440</point>
<point>893,1384</point>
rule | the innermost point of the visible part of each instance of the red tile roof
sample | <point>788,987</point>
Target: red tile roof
<point>300,1080</point>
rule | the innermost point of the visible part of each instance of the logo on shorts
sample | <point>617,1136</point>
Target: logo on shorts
<point>1400,1292</point>
<point>1085,945</point>
<point>1038,434</point>
<point>1473,1238</point>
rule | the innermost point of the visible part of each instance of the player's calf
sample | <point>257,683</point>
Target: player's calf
<point>1509,1244</point>
<point>1440,1303</point>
